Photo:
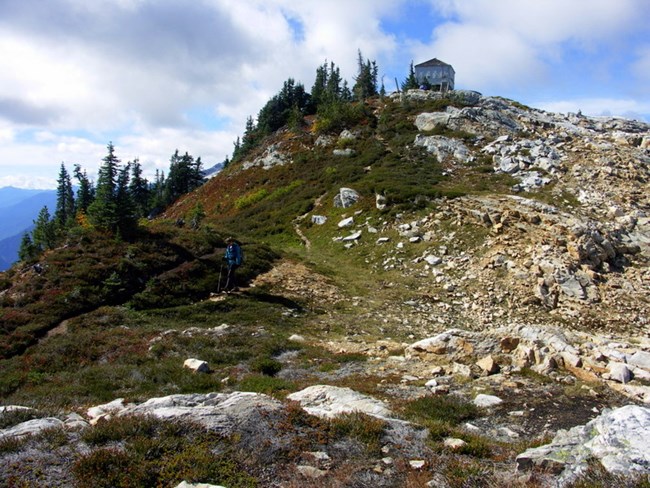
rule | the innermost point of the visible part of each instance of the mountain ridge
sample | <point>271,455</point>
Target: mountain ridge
<point>482,247</point>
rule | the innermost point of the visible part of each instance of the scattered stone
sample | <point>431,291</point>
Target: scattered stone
<point>318,219</point>
<point>487,401</point>
<point>454,444</point>
<point>488,365</point>
<point>619,372</point>
<point>197,365</point>
<point>297,338</point>
<point>417,463</point>
<point>347,152</point>
<point>432,260</point>
<point>347,222</point>
<point>640,359</point>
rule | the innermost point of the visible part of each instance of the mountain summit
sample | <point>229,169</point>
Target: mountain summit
<point>437,289</point>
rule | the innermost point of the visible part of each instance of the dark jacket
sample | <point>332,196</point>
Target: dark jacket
<point>234,254</point>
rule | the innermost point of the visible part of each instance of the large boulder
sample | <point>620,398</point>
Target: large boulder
<point>430,120</point>
<point>619,439</point>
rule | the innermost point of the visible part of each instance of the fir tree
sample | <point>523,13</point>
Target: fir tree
<point>139,189</point>
<point>411,81</point>
<point>124,202</point>
<point>365,85</point>
<point>27,249</point>
<point>103,212</point>
<point>44,233</point>
<point>85,192</point>
<point>65,205</point>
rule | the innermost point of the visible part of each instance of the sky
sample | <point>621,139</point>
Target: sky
<point>153,76</point>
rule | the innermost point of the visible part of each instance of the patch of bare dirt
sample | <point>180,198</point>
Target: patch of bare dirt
<point>297,281</point>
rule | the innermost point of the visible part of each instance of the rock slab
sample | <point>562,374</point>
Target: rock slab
<point>619,439</point>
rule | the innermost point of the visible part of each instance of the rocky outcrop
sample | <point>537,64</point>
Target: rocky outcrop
<point>619,439</point>
<point>331,401</point>
<point>444,148</point>
<point>272,156</point>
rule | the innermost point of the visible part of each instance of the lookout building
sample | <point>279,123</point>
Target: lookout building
<point>438,75</point>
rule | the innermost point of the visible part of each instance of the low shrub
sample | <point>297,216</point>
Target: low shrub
<point>363,428</point>
<point>268,385</point>
<point>266,366</point>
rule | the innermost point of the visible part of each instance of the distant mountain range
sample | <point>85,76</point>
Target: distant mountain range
<point>18,210</point>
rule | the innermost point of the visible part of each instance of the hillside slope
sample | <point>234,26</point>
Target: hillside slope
<point>433,254</point>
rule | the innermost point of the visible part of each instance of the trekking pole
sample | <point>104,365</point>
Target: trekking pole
<point>219,282</point>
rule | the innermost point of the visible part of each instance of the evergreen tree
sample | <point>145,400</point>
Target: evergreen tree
<point>411,81</point>
<point>103,212</point>
<point>185,175</point>
<point>85,192</point>
<point>365,85</point>
<point>237,149</point>
<point>277,111</point>
<point>250,137</point>
<point>65,205</point>
<point>124,202</point>
<point>333,89</point>
<point>44,233</point>
<point>27,249</point>
<point>157,192</point>
<point>139,189</point>
<point>318,91</point>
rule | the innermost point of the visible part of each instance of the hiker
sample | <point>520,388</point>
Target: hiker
<point>233,258</point>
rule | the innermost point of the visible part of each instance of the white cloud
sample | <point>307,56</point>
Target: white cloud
<point>156,70</point>
<point>498,44</point>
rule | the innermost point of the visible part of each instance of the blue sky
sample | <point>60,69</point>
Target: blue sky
<point>156,75</point>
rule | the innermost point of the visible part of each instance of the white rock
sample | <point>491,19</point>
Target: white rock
<point>346,222</point>
<point>98,411</point>
<point>352,237</point>
<point>486,401</point>
<point>383,240</point>
<point>428,121</point>
<point>619,372</point>
<point>454,444</point>
<point>318,219</point>
<point>640,359</point>
<point>13,408</point>
<point>197,365</point>
<point>619,439</point>
<point>30,427</point>
<point>432,260</point>
<point>417,463</point>
<point>296,338</point>
<point>327,401</point>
